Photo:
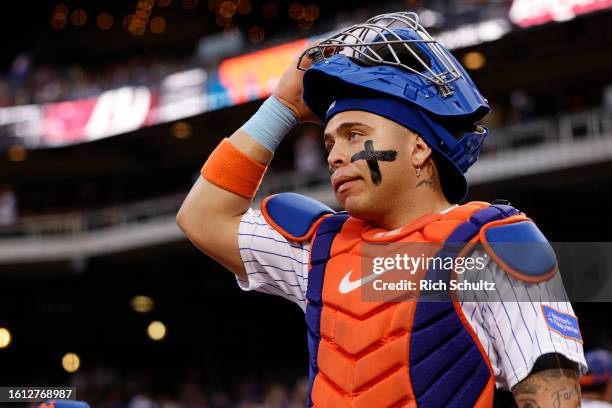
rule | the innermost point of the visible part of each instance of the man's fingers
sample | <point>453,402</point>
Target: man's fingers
<point>305,59</point>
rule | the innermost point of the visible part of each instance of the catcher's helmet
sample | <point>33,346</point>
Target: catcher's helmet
<point>393,56</point>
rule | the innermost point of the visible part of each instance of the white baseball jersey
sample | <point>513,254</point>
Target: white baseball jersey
<point>513,334</point>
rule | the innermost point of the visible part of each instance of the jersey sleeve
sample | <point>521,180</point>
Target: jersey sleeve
<point>273,264</point>
<point>517,322</point>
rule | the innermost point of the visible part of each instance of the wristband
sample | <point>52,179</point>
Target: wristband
<point>232,170</point>
<point>269,125</point>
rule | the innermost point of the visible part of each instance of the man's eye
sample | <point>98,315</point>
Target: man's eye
<point>328,147</point>
<point>353,135</point>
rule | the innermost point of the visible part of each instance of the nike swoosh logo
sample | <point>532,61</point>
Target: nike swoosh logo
<point>347,286</point>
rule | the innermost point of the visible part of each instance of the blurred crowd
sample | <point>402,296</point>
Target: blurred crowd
<point>104,388</point>
<point>29,83</point>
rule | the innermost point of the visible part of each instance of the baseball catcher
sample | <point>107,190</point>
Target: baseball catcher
<point>401,127</point>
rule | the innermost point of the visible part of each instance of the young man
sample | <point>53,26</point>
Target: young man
<point>400,117</point>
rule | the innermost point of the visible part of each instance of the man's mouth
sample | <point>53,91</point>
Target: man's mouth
<point>343,182</point>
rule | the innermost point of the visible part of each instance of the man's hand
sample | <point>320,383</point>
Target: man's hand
<point>289,91</point>
<point>554,388</point>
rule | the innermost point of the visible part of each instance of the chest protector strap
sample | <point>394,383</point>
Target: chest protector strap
<point>319,256</point>
<point>446,366</point>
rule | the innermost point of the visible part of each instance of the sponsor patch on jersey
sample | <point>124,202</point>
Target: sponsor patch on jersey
<point>563,324</point>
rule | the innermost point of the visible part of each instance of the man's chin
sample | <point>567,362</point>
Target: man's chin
<point>351,204</point>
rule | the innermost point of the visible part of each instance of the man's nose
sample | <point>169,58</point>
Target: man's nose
<point>337,157</point>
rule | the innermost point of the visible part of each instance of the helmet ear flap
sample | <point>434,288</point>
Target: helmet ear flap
<point>468,149</point>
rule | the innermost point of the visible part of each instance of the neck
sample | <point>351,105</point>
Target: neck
<point>408,211</point>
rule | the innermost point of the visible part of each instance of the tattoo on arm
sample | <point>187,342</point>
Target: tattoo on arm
<point>554,388</point>
<point>429,182</point>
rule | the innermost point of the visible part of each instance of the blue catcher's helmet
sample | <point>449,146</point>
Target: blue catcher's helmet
<point>393,56</point>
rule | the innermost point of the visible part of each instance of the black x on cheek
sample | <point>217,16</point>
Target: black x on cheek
<point>372,157</point>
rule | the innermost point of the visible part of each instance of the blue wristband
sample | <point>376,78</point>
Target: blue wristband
<point>270,123</point>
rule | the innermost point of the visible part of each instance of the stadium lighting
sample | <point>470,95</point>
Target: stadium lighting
<point>78,17</point>
<point>58,21</point>
<point>142,304</point>
<point>181,130</point>
<point>156,330</point>
<point>104,21</point>
<point>474,60</point>
<point>139,30</point>
<point>60,8</point>
<point>311,13</point>
<point>157,25</point>
<point>71,362</point>
<point>296,11</point>
<point>17,153</point>
<point>5,337</point>
<point>228,8</point>
<point>256,34</point>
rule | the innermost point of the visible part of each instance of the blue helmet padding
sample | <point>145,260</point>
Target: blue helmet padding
<point>339,76</point>
<point>295,213</point>
<point>523,247</point>
<point>402,113</point>
<point>67,404</point>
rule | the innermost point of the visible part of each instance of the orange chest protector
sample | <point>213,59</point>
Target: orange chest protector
<point>390,354</point>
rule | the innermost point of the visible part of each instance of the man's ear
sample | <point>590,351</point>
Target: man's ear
<point>420,152</point>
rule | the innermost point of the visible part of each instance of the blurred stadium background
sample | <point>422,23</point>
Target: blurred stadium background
<point>107,112</point>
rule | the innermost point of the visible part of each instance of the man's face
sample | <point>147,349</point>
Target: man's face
<point>371,160</point>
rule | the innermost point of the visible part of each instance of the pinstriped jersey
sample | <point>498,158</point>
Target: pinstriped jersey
<point>513,334</point>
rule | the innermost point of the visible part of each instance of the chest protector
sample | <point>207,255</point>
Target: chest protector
<point>393,354</point>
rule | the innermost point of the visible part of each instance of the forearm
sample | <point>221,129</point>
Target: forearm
<point>210,215</point>
<point>233,171</point>
<point>557,387</point>
<point>206,198</point>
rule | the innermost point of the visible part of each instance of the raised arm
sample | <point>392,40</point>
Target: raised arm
<point>210,215</point>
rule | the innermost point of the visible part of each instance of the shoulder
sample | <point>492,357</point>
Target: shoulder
<point>294,216</point>
<point>517,245</point>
